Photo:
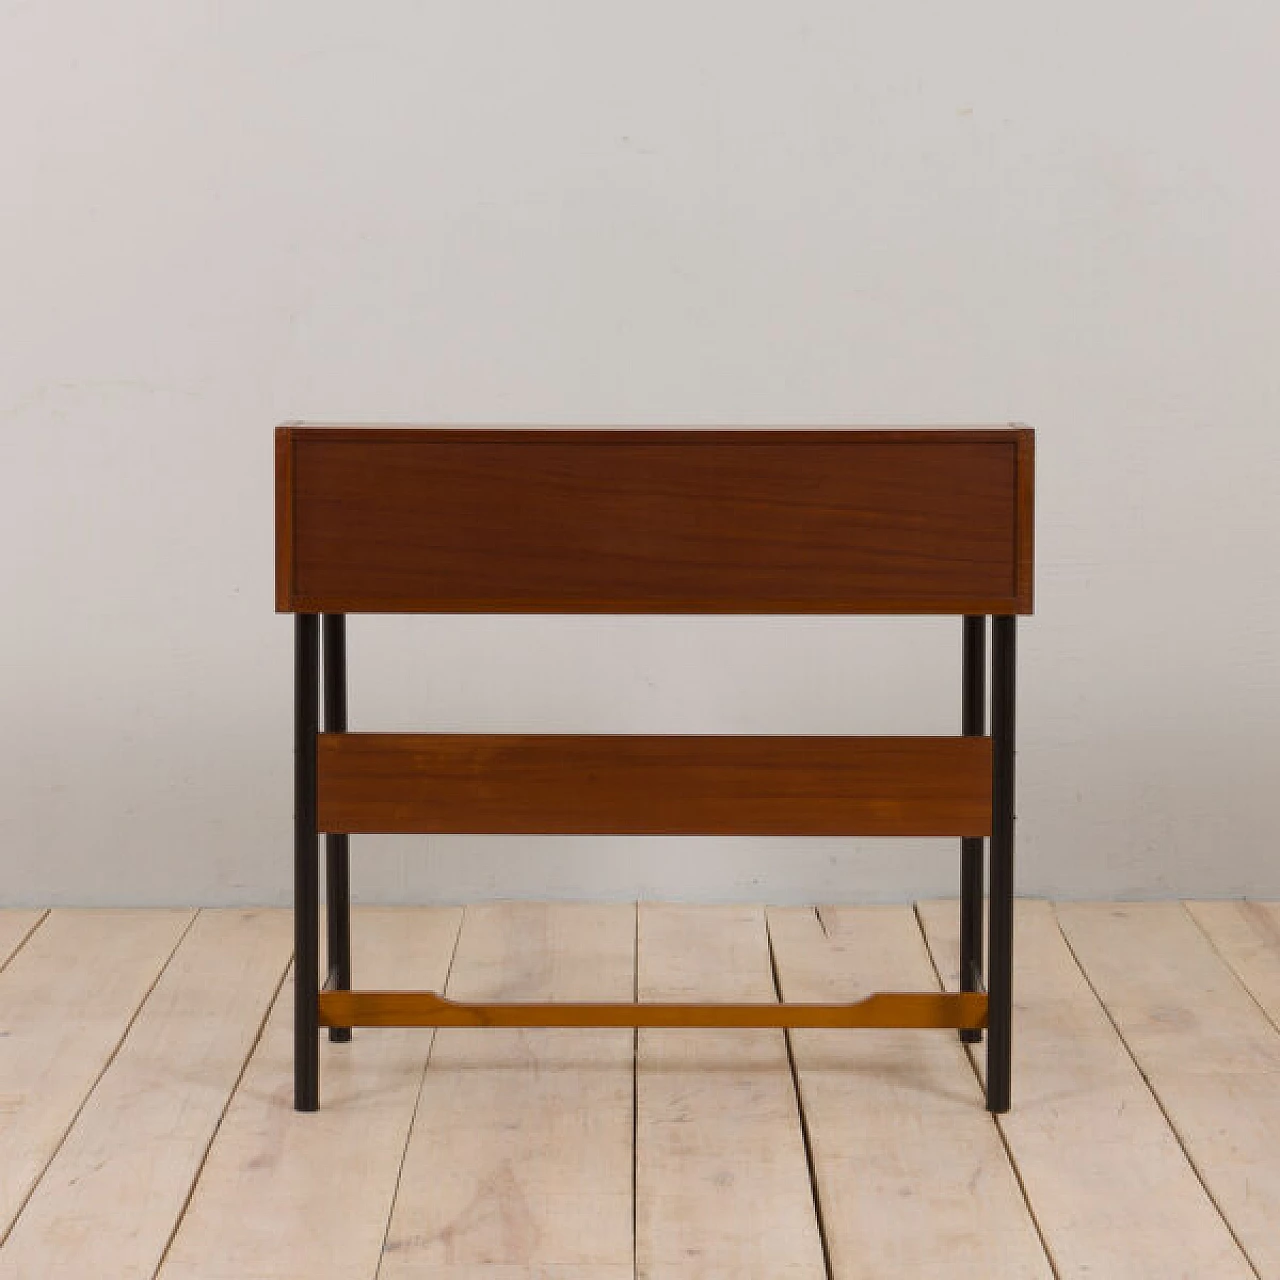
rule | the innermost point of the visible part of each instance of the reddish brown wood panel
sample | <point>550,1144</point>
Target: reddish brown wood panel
<point>661,785</point>
<point>446,520</point>
<point>284,517</point>
<point>1025,534</point>
<point>426,1009</point>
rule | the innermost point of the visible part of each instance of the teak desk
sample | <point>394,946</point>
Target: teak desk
<point>434,520</point>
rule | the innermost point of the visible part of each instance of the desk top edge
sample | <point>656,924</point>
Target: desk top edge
<point>448,434</point>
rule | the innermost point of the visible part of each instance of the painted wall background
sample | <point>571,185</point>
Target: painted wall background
<point>216,217</point>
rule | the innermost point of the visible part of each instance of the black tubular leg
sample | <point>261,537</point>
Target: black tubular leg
<point>1000,939</point>
<point>337,847</point>
<point>306,867</point>
<point>972,886</point>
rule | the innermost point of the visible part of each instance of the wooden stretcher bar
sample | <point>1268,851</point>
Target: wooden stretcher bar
<point>619,784</point>
<point>964,1010</point>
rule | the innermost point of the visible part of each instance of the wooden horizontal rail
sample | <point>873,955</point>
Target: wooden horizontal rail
<point>570,784</point>
<point>966,1010</point>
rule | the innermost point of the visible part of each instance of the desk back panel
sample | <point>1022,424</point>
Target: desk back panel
<point>439,520</point>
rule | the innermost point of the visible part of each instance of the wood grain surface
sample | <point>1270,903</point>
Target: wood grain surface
<point>1112,1190</point>
<point>910,1172</point>
<point>707,521</point>
<point>653,785</point>
<point>520,1160</point>
<point>426,1009</point>
<point>107,1204</point>
<point>285,1195</point>
<point>721,1176</point>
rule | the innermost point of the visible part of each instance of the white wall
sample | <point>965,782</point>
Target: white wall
<point>215,217</point>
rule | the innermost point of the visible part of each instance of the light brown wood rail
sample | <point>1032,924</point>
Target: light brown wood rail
<point>964,1010</point>
<point>586,784</point>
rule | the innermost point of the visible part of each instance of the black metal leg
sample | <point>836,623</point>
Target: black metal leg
<point>337,847</point>
<point>306,868</point>
<point>972,887</point>
<point>1000,928</point>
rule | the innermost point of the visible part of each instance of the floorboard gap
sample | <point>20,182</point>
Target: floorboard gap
<point>970,1052</point>
<point>417,1102</point>
<point>1213,946</point>
<point>222,1115</point>
<point>22,942</point>
<point>805,1135</point>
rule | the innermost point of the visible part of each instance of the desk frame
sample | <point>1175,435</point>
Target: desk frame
<point>931,784</point>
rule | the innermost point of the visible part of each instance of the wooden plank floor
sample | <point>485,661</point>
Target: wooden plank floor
<point>146,1127</point>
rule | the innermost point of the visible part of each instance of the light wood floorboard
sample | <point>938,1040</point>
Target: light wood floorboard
<point>66,1000</point>
<point>108,1202</point>
<point>722,1182</point>
<point>146,1108</point>
<point>1112,1190</point>
<point>16,926</point>
<point>285,1195</point>
<point>520,1159</point>
<point>912,1176</point>
<point>1209,1052</point>
<point>1247,936</point>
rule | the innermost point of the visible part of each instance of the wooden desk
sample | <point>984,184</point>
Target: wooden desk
<point>440,520</point>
